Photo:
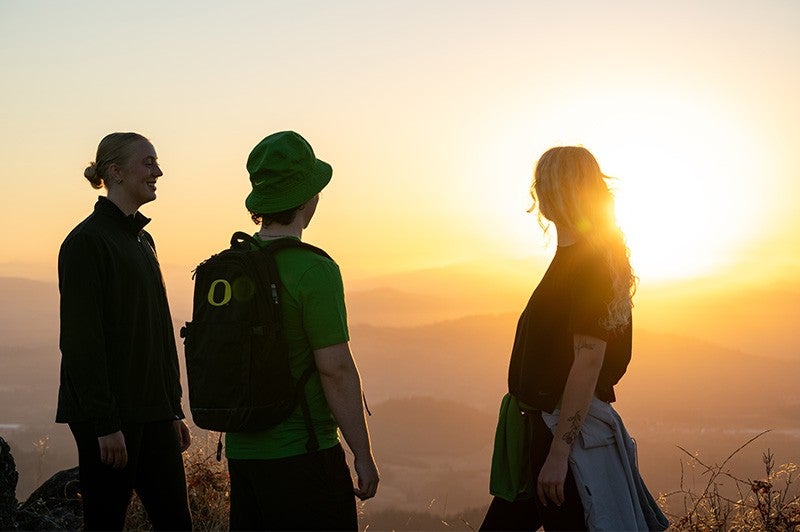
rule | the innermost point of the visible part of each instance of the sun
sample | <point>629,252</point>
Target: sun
<point>683,205</point>
<point>687,173</point>
<point>683,178</point>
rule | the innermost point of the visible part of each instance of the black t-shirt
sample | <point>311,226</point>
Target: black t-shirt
<point>572,298</point>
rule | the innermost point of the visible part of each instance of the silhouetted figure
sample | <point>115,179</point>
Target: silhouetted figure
<point>120,387</point>
<point>562,458</point>
<point>277,483</point>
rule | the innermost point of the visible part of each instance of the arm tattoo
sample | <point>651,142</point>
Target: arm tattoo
<point>574,428</point>
<point>583,343</point>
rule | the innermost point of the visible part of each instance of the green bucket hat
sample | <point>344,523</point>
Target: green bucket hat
<point>284,173</point>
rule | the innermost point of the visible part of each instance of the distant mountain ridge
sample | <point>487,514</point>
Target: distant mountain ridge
<point>464,358</point>
<point>757,319</point>
<point>435,387</point>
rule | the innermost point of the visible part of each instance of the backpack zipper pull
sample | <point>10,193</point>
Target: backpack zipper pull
<point>274,293</point>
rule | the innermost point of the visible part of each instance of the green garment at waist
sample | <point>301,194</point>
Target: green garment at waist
<point>511,477</point>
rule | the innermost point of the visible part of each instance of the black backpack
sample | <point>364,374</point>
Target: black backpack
<point>237,362</point>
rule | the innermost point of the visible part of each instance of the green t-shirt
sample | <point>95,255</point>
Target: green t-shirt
<point>314,316</point>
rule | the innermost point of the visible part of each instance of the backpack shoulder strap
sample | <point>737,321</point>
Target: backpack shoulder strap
<point>315,249</point>
<point>240,240</point>
<point>285,243</point>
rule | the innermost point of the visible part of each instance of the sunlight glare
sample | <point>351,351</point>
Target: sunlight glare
<point>682,178</point>
<point>682,198</point>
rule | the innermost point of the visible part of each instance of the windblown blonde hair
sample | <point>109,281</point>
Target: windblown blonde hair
<point>570,190</point>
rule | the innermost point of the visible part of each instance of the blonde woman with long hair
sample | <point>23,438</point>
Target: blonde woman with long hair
<point>557,452</point>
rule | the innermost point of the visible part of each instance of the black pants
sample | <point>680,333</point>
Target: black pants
<point>311,491</point>
<point>154,470</point>
<point>530,514</point>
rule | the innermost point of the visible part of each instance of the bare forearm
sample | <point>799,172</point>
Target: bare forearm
<point>343,393</point>
<point>578,392</point>
<point>342,386</point>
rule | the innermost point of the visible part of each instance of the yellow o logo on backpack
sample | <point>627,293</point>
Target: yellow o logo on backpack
<point>226,297</point>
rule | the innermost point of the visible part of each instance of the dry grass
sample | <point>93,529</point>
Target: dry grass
<point>207,484</point>
<point>769,503</point>
<point>722,502</point>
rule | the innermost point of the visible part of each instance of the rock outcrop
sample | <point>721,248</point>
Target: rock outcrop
<point>55,505</point>
<point>8,487</point>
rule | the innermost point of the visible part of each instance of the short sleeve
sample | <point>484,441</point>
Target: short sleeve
<point>323,306</point>
<point>590,295</point>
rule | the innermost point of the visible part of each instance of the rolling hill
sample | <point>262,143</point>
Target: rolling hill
<point>434,388</point>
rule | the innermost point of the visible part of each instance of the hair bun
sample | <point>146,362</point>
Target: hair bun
<point>91,174</point>
<point>91,171</point>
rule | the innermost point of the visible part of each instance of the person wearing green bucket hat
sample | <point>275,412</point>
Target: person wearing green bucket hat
<point>284,173</point>
<point>276,482</point>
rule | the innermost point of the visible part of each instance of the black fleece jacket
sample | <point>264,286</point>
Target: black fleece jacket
<point>119,363</point>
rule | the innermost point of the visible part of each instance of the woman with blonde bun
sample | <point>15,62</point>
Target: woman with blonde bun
<point>120,388</point>
<point>562,458</point>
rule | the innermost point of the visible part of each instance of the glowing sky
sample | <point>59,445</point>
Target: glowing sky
<point>431,113</point>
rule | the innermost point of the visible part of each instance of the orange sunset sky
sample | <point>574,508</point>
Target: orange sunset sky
<point>432,115</point>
